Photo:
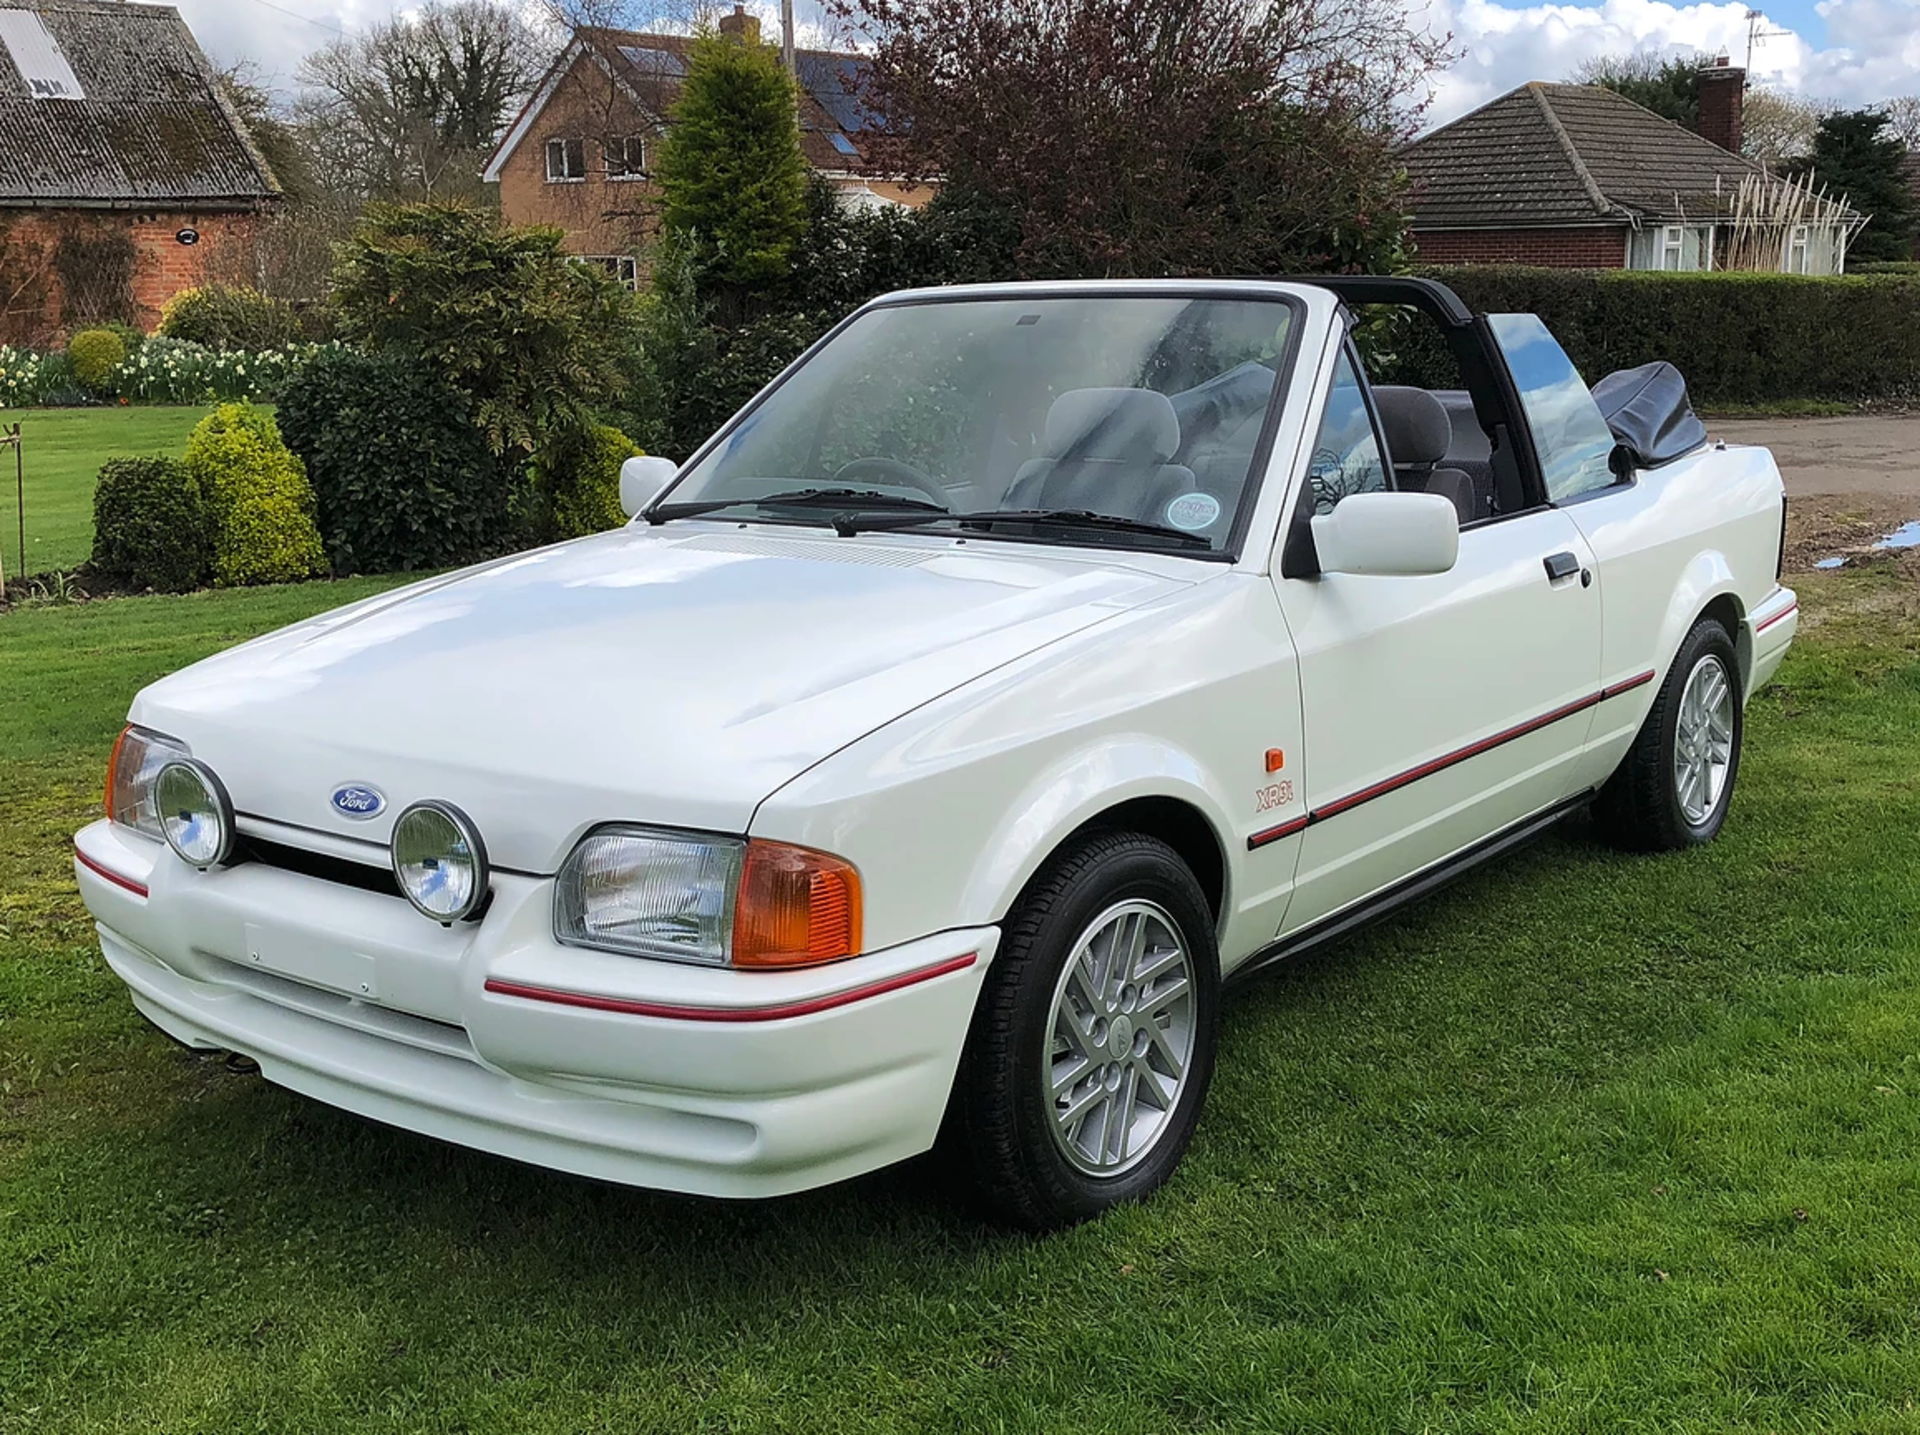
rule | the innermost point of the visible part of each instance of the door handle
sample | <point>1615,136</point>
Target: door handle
<point>1561,565</point>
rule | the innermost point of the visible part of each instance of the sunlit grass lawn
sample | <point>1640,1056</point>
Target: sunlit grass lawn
<point>63,451</point>
<point>1589,1143</point>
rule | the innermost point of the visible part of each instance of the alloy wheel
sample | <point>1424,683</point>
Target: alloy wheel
<point>1121,1038</point>
<point>1703,740</point>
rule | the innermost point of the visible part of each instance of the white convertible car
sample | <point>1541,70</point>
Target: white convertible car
<point>1023,664</point>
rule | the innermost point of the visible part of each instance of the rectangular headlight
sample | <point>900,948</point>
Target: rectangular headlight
<point>650,893</point>
<point>131,772</point>
<point>716,900</point>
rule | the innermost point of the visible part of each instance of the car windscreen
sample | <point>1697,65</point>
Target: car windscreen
<point>1126,420</point>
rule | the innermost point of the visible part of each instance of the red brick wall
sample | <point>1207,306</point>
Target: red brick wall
<point>33,306</point>
<point>600,215</point>
<point>1582,247</point>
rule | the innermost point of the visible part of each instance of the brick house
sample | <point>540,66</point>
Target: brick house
<point>1576,176</point>
<point>125,176</point>
<point>579,154</point>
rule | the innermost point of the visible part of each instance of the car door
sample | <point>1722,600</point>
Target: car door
<point>1437,710</point>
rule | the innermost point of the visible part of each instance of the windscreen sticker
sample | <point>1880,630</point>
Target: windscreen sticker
<point>1194,511</point>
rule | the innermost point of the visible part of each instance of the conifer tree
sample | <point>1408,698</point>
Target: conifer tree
<point>733,184</point>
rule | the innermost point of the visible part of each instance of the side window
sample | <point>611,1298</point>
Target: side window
<point>1572,439</point>
<point>1346,453</point>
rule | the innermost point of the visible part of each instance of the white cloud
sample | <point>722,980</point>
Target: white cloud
<point>1873,52</point>
<point>1872,47</point>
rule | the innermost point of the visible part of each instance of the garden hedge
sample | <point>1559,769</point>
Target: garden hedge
<point>150,525</point>
<point>401,474</point>
<point>1740,339</point>
<point>258,499</point>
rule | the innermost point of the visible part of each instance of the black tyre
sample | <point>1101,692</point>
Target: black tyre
<point>1093,1044</point>
<point>1674,786</point>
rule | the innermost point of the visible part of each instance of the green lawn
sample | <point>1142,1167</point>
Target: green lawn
<point>1590,1143</point>
<point>64,449</point>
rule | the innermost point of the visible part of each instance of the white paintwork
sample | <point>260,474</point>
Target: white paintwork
<point>1388,535</point>
<point>943,712</point>
<point>642,479</point>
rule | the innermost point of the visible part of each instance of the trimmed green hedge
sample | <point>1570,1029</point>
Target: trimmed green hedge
<point>257,498</point>
<point>401,475</point>
<point>150,525</point>
<point>1738,338</point>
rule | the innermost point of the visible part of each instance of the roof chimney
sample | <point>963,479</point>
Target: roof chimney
<point>1723,87</point>
<point>741,26</point>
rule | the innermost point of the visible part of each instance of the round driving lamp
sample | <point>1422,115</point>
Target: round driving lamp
<point>196,815</point>
<point>440,861</point>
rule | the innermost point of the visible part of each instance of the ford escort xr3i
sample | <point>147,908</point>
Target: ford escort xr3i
<point>1022,664</point>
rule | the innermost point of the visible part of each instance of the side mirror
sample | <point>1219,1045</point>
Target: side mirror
<point>642,479</point>
<point>1404,535</point>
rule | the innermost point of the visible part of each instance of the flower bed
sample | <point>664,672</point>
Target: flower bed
<point>160,371</point>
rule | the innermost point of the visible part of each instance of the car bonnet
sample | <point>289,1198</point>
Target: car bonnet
<point>673,676</point>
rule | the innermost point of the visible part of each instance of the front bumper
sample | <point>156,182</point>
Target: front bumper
<point>490,1034</point>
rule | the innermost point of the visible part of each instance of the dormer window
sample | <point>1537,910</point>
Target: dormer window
<point>627,157</point>
<point>566,160</point>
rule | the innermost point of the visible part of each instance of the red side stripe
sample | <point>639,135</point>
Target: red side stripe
<point>1628,686</point>
<point>1274,834</point>
<point>730,1014</point>
<point>1440,764</point>
<point>138,889</point>
<point>1451,759</point>
<point>1781,616</point>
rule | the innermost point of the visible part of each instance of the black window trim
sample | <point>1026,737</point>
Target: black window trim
<point>1231,551</point>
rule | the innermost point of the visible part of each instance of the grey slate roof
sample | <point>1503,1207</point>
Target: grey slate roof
<point>1549,154</point>
<point>152,130</point>
<point>832,123</point>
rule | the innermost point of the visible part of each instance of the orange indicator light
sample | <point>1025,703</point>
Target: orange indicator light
<point>1276,759</point>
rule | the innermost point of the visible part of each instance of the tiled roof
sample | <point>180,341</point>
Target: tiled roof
<point>151,127</point>
<point>1567,154</point>
<point>832,124</point>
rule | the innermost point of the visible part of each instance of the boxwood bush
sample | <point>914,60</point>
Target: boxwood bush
<point>402,476</point>
<point>258,499</point>
<point>1738,338</point>
<point>150,526</point>
<point>94,355</point>
<point>224,317</point>
<point>585,491</point>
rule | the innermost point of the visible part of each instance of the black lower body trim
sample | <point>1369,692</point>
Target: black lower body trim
<point>1336,925</point>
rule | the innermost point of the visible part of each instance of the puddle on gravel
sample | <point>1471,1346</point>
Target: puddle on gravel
<point>1907,535</point>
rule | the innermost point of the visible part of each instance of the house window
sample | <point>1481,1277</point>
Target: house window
<point>566,160</point>
<point>627,157</point>
<point>1798,243</point>
<point>622,267</point>
<point>1673,247</point>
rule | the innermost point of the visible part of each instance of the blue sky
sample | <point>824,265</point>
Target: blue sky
<point>1845,51</point>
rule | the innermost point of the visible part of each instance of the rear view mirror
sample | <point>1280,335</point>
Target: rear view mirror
<point>1404,535</point>
<point>643,479</point>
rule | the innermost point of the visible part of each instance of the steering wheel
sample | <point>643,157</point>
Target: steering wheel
<point>900,475</point>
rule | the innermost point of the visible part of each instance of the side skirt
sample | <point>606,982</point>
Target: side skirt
<point>1408,890</point>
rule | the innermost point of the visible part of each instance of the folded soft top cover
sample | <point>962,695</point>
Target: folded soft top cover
<point>1647,410</point>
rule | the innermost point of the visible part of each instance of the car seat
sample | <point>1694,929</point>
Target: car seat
<point>1105,450</point>
<point>1418,434</point>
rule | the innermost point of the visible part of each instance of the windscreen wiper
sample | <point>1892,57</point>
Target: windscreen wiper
<point>848,524</point>
<point>798,498</point>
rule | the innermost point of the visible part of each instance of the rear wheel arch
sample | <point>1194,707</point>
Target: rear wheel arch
<point>1726,610</point>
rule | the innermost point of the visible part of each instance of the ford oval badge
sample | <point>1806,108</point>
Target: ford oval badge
<point>358,801</point>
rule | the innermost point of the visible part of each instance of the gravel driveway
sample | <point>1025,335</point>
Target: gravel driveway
<point>1872,455</point>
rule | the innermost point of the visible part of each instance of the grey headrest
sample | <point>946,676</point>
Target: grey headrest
<point>1417,426</point>
<point>1113,423</point>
